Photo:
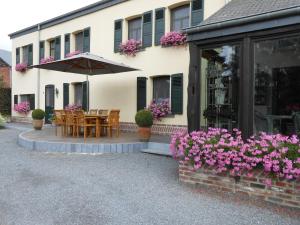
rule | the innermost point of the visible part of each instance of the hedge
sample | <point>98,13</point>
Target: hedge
<point>5,101</point>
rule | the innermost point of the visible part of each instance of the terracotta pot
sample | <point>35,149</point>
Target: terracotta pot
<point>37,124</point>
<point>144,133</point>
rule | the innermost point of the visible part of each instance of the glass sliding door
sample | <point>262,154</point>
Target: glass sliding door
<point>277,85</point>
<point>219,87</point>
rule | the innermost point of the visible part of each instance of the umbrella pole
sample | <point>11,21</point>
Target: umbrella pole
<point>88,93</point>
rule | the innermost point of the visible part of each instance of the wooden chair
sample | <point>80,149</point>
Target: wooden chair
<point>85,122</point>
<point>112,122</point>
<point>93,111</point>
<point>70,122</point>
<point>59,121</point>
<point>103,112</point>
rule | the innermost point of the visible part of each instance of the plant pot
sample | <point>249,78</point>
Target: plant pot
<point>144,133</point>
<point>37,124</point>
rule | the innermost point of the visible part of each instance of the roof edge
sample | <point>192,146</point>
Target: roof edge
<point>245,20</point>
<point>67,17</point>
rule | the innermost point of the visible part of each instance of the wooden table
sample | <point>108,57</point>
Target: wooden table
<point>98,118</point>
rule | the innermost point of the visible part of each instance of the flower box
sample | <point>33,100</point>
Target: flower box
<point>130,47</point>
<point>47,60</point>
<point>73,53</point>
<point>21,67</point>
<point>160,110</point>
<point>173,38</point>
<point>22,107</point>
<point>73,107</point>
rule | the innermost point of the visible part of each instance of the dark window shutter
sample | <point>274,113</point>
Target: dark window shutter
<point>159,25</point>
<point>57,48</point>
<point>66,92</point>
<point>85,95</point>
<point>118,35</point>
<point>17,55</point>
<point>32,101</point>
<point>42,50</point>
<point>177,93</point>
<point>86,40</point>
<point>67,44</point>
<point>147,29</point>
<point>30,55</point>
<point>197,12</point>
<point>16,99</point>
<point>141,93</point>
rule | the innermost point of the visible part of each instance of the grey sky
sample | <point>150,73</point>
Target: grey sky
<point>17,14</point>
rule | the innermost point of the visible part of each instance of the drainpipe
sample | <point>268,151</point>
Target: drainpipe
<point>38,71</point>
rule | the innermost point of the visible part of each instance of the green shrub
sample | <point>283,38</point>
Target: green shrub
<point>144,118</point>
<point>2,121</point>
<point>38,114</point>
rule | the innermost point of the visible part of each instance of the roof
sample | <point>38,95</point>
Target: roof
<point>5,56</point>
<point>68,16</point>
<point>237,9</point>
<point>241,16</point>
<point>3,63</point>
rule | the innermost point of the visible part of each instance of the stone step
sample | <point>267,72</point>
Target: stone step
<point>157,148</point>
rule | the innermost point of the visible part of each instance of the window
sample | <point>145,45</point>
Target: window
<point>78,92</point>
<point>28,98</point>
<point>42,50</point>
<point>67,44</point>
<point>25,54</point>
<point>135,29</point>
<point>180,18</point>
<point>52,48</point>
<point>161,88</point>
<point>17,55</point>
<point>118,35</point>
<point>79,41</point>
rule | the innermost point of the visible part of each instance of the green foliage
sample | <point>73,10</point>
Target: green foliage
<point>38,114</point>
<point>5,101</point>
<point>144,118</point>
<point>2,122</point>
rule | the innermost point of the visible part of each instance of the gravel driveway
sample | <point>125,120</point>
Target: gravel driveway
<point>63,189</point>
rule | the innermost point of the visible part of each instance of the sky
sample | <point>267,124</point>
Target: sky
<point>19,14</point>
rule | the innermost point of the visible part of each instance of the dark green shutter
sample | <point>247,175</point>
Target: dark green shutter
<point>159,25</point>
<point>32,101</point>
<point>86,40</point>
<point>30,55</point>
<point>177,93</point>
<point>17,55</point>
<point>16,99</point>
<point>147,29</point>
<point>141,93</point>
<point>66,92</point>
<point>197,12</point>
<point>57,48</point>
<point>85,96</point>
<point>67,44</point>
<point>117,35</point>
<point>42,50</point>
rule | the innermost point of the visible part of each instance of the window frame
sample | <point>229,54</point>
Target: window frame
<point>140,30</point>
<point>172,11</point>
<point>76,42</point>
<point>153,87</point>
<point>52,48</point>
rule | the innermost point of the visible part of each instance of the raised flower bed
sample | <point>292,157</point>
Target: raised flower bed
<point>22,107</point>
<point>267,166</point>
<point>21,67</point>
<point>130,47</point>
<point>173,38</point>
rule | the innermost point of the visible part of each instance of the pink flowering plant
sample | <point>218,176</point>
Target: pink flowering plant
<point>159,109</point>
<point>73,107</point>
<point>21,67</point>
<point>173,38</point>
<point>77,52</point>
<point>47,60</point>
<point>22,107</point>
<point>277,155</point>
<point>130,47</point>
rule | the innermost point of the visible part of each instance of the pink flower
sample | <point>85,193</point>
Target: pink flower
<point>173,38</point>
<point>159,110</point>
<point>130,47</point>
<point>22,107</point>
<point>21,67</point>
<point>73,107</point>
<point>46,60</point>
<point>77,52</point>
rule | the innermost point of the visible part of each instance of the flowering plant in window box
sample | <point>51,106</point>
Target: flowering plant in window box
<point>160,109</point>
<point>77,52</point>
<point>173,38</point>
<point>73,107</point>
<point>130,47</point>
<point>22,107</point>
<point>47,60</point>
<point>278,156</point>
<point>21,67</point>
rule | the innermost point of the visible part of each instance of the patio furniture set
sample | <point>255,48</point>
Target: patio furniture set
<point>95,123</point>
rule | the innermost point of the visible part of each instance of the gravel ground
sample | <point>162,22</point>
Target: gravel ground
<point>69,189</point>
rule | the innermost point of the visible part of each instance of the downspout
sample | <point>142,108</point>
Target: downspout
<point>38,71</point>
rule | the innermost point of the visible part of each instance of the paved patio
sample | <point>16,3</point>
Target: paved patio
<point>112,189</point>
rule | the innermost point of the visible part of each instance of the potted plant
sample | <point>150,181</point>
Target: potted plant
<point>38,116</point>
<point>144,120</point>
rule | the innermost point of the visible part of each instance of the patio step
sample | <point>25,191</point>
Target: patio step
<point>157,148</point>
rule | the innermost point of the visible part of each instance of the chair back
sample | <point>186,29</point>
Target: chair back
<point>70,117</point>
<point>93,111</point>
<point>58,116</point>
<point>103,112</point>
<point>114,117</point>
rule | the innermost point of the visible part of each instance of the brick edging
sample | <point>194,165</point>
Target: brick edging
<point>282,192</point>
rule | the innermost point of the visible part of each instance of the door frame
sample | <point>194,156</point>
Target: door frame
<point>49,86</point>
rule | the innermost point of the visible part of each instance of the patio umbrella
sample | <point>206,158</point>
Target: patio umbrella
<point>86,64</point>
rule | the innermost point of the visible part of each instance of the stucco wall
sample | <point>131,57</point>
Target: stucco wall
<point>117,90</point>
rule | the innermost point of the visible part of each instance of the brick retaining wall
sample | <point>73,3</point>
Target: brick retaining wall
<point>285,193</point>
